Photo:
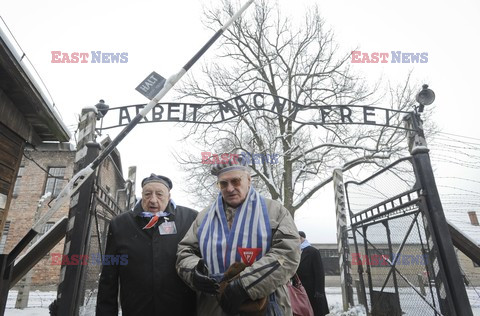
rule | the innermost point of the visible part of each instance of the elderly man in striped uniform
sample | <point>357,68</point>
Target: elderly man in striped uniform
<point>240,227</point>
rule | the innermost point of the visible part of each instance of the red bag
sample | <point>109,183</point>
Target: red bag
<point>299,298</point>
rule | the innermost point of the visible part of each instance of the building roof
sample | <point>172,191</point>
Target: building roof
<point>462,224</point>
<point>23,88</point>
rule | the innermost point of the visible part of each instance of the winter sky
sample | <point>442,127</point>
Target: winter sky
<point>162,36</point>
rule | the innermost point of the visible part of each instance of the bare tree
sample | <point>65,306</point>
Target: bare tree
<point>266,52</point>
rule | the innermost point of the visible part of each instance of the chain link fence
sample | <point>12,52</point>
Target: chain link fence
<point>392,256</point>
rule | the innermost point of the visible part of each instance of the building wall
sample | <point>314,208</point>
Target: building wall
<point>111,179</point>
<point>25,201</point>
<point>410,264</point>
<point>469,269</point>
<point>408,267</point>
<point>30,187</point>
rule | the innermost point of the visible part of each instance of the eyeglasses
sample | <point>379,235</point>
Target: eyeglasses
<point>236,182</point>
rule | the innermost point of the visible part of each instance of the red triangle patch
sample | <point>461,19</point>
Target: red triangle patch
<point>249,254</point>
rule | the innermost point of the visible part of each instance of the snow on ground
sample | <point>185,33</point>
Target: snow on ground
<point>37,311</point>
<point>37,301</point>
<point>38,304</point>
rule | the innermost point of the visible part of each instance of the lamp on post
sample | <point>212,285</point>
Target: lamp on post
<point>417,142</point>
<point>102,111</point>
<point>455,300</point>
<point>425,97</point>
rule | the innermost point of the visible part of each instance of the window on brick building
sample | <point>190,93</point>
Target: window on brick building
<point>18,181</point>
<point>55,180</point>
<point>3,240</point>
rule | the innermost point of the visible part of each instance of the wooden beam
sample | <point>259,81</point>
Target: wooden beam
<point>39,250</point>
<point>464,244</point>
<point>12,118</point>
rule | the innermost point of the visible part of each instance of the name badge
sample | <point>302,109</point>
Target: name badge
<point>167,228</point>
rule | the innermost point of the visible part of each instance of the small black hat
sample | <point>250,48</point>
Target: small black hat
<point>162,179</point>
<point>302,234</point>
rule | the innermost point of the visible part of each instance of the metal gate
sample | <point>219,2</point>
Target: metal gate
<point>104,210</point>
<point>394,250</point>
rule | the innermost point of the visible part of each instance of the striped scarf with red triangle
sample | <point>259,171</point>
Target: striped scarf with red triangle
<point>248,239</point>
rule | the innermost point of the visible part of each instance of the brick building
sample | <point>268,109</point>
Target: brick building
<point>27,115</point>
<point>33,182</point>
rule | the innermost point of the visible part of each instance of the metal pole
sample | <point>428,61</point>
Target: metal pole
<point>362,295</point>
<point>5,276</point>
<point>342,241</point>
<point>420,284</point>
<point>390,250</point>
<point>369,269</point>
<point>455,294</point>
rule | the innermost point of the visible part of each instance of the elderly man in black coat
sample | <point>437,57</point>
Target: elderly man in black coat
<point>311,273</point>
<point>146,241</point>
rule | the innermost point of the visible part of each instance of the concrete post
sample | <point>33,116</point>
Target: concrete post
<point>342,241</point>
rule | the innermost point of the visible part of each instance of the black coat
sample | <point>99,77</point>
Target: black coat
<point>148,283</point>
<point>311,273</point>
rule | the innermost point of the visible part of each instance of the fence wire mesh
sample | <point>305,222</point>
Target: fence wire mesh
<point>392,254</point>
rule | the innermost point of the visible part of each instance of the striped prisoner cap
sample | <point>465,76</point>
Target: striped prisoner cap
<point>234,163</point>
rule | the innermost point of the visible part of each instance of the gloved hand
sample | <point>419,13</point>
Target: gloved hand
<point>202,282</point>
<point>233,297</point>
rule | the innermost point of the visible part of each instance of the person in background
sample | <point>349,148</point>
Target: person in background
<point>311,274</point>
<point>148,238</point>
<point>240,227</point>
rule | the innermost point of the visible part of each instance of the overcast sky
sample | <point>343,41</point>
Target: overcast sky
<point>162,36</point>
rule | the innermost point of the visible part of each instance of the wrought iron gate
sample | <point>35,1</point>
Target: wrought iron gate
<point>394,251</point>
